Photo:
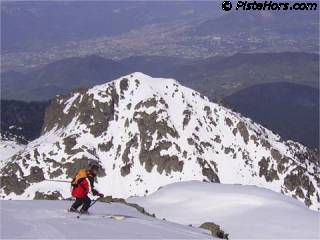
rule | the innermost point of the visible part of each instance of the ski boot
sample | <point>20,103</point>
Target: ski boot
<point>73,210</point>
<point>84,212</point>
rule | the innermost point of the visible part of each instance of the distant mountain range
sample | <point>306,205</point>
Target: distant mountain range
<point>60,77</point>
<point>31,26</point>
<point>291,110</point>
<point>229,78</point>
<point>222,76</point>
<point>257,23</point>
<point>35,34</point>
<point>213,77</point>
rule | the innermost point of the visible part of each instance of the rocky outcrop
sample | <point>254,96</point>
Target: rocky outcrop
<point>243,131</point>
<point>215,230</point>
<point>149,125</point>
<point>45,196</point>
<point>36,175</point>
<point>267,171</point>
<point>110,199</point>
<point>208,171</point>
<point>146,133</point>
<point>11,184</point>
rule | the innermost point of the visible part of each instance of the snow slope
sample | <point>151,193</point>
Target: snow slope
<point>245,212</point>
<point>48,220</point>
<point>148,132</point>
<point>8,148</point>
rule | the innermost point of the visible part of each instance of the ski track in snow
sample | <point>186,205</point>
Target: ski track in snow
<point>49,220</point>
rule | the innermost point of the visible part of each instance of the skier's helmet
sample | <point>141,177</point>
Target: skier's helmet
<point>94,168</point>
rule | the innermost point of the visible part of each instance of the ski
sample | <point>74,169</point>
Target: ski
<point>68,211</point>
<point>91,215</point>
<point>114,217</point>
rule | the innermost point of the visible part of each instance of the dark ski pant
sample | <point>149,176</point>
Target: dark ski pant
<point>85,202</point>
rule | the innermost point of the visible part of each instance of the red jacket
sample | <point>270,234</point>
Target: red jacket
<point>84,186</point>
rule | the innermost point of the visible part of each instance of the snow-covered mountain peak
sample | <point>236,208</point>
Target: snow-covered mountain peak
<point>138,81</point>
<point>147,132</point>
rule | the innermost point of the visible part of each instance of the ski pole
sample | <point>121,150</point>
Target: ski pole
<point>51,180</point>
<point>90,206</point>
<point>94,201</point>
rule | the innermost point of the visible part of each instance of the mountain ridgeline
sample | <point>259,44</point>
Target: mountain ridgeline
<point>145,133</point>
<point>216,78</point>
<point>213,77</point>
<point>291,110</point>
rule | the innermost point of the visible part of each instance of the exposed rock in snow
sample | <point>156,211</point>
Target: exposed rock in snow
<point>148,132</point>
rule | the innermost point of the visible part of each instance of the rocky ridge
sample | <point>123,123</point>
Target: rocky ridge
<point>146,132</point>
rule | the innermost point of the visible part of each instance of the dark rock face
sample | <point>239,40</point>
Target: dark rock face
<point>36,175</point>
<point>312,155</point>
<point>148,125</point>
<point>217,139</point>
<point>208,111</point>
<point>69,143</point>
<point>9,180</point>
<point>14,180</point>
<point>125,170</point>
<point>53,116</point>
<point>269,174</point>
<point>276,154</point>
<point>215,230</point>
<point>153,158</point>
<point>133,143</point>
<point>84,105</point>
<point>105,147</point>
<point>265,143</point>
<point>243,131</point>
<point>208,171</point>
<point>297,181</point>
<point>227,150</point>
<point>229,122</point>
<point>13,184</point>
<point>186,119</point>
<point>43,196</point>
<point>124,85</point>
<point>281,161</point>
<point>56,173</point>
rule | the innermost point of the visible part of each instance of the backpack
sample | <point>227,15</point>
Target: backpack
<point>82,173</point>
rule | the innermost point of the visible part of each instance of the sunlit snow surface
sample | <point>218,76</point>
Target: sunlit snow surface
<point>9,148</point>
<point>243,211</point>
<point>49,220</point>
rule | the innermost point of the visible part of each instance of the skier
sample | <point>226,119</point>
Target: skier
<point>82,184</point>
